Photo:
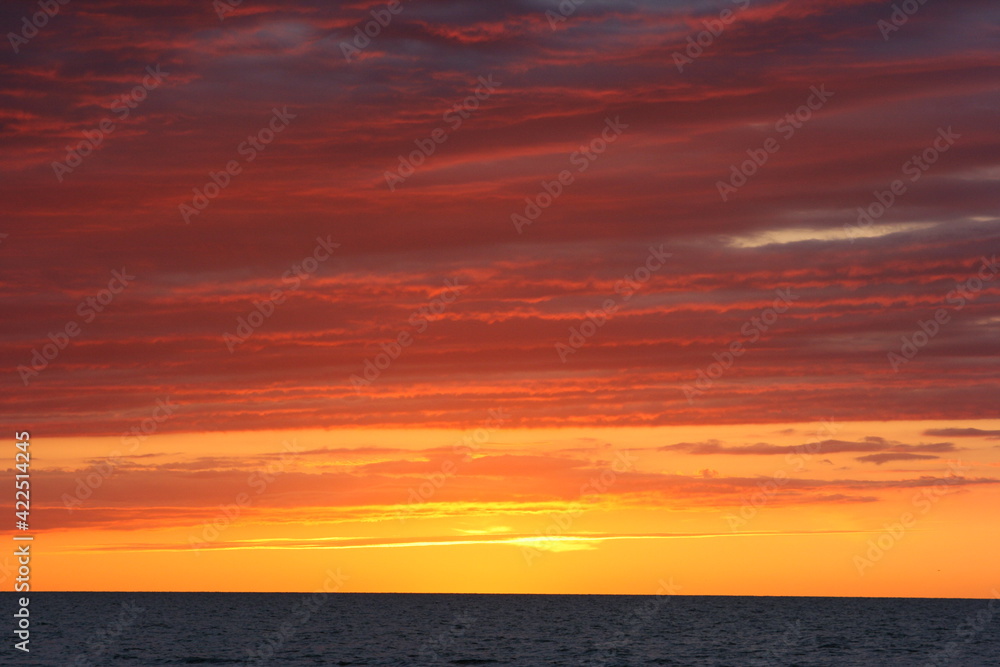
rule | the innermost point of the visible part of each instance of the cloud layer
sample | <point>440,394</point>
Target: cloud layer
<point>638,268</point>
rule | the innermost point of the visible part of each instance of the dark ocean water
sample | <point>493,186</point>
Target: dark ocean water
<point>393,629</point>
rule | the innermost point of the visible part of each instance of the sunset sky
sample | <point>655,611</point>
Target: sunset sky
<point>505,297</point>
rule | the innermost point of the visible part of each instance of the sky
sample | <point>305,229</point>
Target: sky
<point>515,296</point>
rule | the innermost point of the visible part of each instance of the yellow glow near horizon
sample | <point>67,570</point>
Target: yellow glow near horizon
<point>523,525</point>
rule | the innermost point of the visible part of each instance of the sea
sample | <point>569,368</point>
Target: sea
<point>291,629</point>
